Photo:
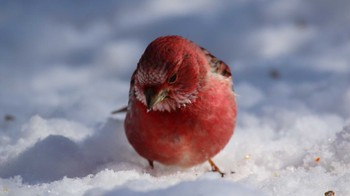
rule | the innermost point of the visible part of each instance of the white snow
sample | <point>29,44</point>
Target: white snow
<point>64,66</point>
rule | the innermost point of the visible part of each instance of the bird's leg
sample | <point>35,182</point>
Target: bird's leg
<point>215,168</point>
<point>150,162</point>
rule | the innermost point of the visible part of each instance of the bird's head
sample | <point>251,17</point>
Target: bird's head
<point>169,74</point>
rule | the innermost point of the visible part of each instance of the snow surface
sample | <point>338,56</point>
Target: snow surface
<point>65,65</point>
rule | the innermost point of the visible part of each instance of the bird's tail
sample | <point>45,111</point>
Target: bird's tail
<point>123,109</point>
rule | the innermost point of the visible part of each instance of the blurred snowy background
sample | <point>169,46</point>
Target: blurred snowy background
<point>65,65</point>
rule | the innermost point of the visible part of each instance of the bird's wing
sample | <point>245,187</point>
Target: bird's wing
<point>216,65</point>
<point>132,85</point>
<point>131,95</point>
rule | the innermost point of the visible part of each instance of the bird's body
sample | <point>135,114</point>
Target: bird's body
<point>182,108</point>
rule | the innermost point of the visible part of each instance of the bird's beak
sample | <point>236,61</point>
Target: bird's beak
<point>152,97</point>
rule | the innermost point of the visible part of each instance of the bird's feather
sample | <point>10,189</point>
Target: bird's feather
<point>216,65</point>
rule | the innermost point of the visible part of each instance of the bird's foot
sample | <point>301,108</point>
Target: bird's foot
<point>215,168</point>
<point>150,162</point>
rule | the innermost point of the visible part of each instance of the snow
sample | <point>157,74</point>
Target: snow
<point>65,66</point>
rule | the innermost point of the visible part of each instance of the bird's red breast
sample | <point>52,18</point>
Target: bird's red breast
<point>182,108</point>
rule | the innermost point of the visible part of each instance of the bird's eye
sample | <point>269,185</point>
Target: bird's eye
<point>172,79</point>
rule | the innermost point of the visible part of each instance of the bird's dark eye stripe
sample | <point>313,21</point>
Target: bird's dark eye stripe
<point>172,79</point>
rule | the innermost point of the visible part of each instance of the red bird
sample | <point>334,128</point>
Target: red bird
<point>182,108</point>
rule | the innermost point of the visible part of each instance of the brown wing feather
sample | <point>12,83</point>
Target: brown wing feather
<point>132,84</point>
<point>217,66</point>
<point>131,95</point>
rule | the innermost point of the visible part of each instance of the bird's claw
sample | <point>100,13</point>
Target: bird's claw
<point>150,162</point>
<point>221,173</point>
<point>215,168</point>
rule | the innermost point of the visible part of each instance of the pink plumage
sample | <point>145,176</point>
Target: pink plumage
<point>182,108</point>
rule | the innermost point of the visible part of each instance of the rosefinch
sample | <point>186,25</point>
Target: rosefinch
<point>182,108</point>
